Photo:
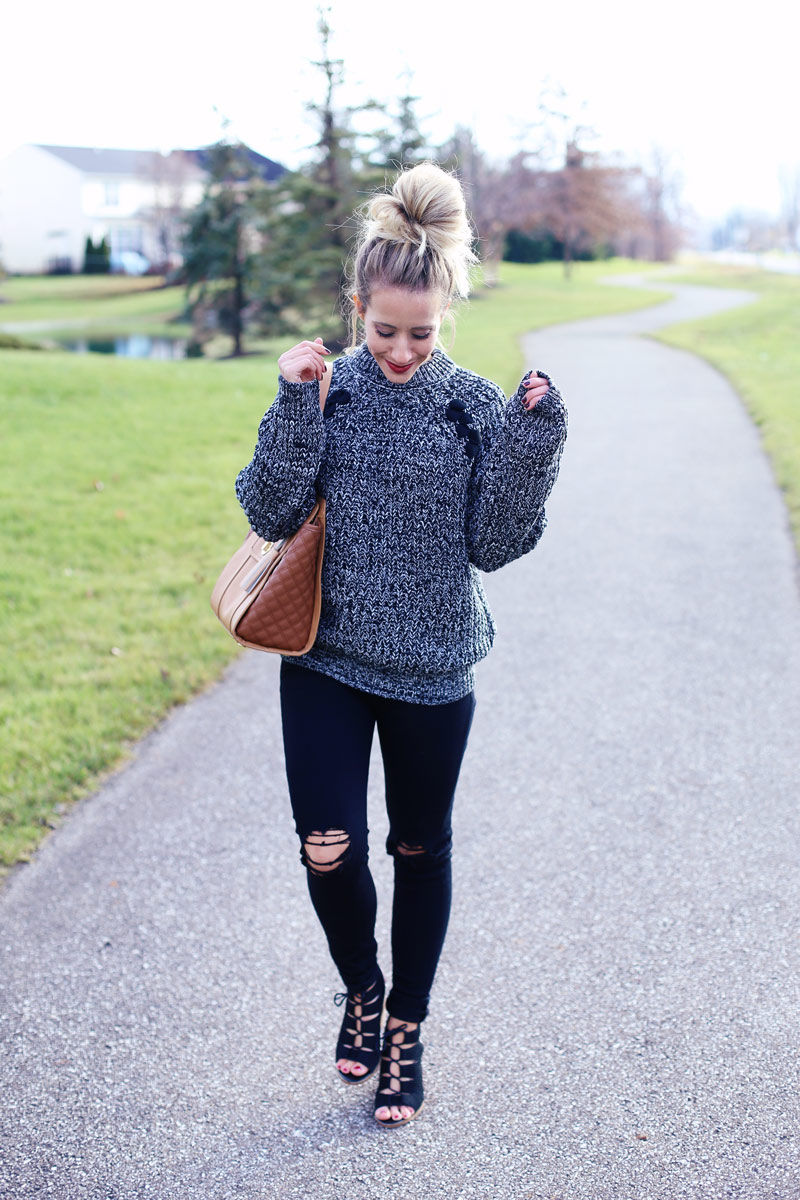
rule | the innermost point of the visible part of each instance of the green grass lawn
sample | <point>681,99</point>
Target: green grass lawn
<point>758,348</point>
<point>100,303</point>
<point>118,512</point>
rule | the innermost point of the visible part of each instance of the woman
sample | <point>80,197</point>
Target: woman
<point>429,476</point>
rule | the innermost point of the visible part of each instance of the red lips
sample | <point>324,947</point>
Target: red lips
<point>400,370</point>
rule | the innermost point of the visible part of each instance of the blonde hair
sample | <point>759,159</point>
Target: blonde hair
<point>416,236</point>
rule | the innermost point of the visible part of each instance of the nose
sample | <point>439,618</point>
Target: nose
<point>402,348</point>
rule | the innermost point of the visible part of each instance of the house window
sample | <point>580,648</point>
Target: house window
<point>112,195</point>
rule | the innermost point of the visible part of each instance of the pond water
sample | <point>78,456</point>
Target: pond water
<point>133,345</point>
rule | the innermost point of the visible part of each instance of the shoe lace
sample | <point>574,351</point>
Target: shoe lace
<point>392,1077</point>
<point>364,1002</point>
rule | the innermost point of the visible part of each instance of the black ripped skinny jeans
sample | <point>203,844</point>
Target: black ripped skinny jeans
<point>327,735</point>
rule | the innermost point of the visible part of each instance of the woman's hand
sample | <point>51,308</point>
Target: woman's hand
<point>304,362</point>
<point>535,387</point>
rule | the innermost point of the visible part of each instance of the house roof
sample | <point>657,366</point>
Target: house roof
<point>102,162</point>
<point>94,161</point>
<point>265,168</point>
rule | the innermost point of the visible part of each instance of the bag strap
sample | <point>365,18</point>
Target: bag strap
<point>324,387</point>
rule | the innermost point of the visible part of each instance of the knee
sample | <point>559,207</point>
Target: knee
<point>418,857</point>
<point>409,851</point>
<point>326,852</point>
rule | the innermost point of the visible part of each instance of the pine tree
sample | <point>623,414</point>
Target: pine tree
<point>96,258</point>
<point>219,244</point>
<point>88,257</point>
<point>402,144</point>
<point>104,257</point>
<point>306,219</point>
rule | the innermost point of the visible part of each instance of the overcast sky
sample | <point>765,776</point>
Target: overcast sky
<point>717,85</point>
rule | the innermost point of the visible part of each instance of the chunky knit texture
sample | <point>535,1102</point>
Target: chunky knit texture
<point>426,482</point>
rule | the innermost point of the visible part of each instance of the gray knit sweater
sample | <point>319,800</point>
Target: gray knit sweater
<point>426,483</point>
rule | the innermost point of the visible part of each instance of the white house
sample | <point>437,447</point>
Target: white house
<point>53,197</point>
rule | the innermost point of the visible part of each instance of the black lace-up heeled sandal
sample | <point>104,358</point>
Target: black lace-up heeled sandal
<point>400,1081</point>
<point>360,1035</point>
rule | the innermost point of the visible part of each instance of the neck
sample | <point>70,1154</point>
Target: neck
<point>435,370</point>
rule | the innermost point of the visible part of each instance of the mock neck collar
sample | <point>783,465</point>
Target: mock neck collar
<point>432,373</point>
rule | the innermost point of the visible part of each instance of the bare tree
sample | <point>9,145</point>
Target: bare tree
<point>661,205</point>
<point>557,198</point>
<point>170,176</point>
<point>485,187</point>
<point>746,229</point>
<point>558,186</point>
<point>585,203</point>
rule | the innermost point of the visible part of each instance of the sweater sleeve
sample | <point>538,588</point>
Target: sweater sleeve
<point>277,487</point>
<point>514,474</point>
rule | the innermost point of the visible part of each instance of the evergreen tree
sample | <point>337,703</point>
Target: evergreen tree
<point>299,270</point>
<point>96,258</point>
<point>402,144</point>
<point>219,244</point>
<point>306,219</point>
<point>104,257</point>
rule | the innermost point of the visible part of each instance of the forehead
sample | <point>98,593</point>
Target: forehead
<point>405,309</point>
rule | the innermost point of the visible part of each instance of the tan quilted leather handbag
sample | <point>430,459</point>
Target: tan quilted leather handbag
<point>269,595</point>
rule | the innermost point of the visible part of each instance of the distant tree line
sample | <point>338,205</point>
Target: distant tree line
<point>269,256</point>
<point>757,232</point>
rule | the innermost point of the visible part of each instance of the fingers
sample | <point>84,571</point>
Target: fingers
<point>535,388</point>
<point>304,362</point>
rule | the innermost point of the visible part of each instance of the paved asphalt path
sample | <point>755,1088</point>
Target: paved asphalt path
<point>617,1012</point>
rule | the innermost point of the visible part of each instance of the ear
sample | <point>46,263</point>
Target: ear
<point>358,305</point>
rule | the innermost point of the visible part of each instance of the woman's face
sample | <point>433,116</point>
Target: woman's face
<point>401,328</point>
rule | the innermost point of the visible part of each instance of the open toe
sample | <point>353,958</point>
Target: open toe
<point>359,1036</point>
<point>400,1095</point>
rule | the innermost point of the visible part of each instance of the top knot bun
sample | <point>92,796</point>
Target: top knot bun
<point>425,211</point>
<point>417,236</point>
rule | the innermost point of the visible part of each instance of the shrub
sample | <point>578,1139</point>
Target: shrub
<point>97,259</point>
<point>9,341</point>
<point>537,246</point>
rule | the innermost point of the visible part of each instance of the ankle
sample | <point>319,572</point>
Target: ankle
<point>399,1023</point>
